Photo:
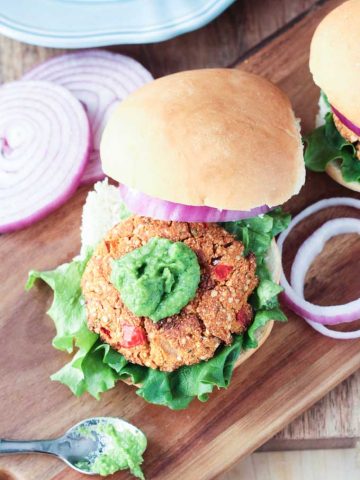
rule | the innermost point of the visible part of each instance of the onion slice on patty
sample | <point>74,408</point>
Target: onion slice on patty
<point>345,121</point>
<point>44,147</point>
<point>100,80</point>
<point>148,206</point>
<point>293,294</point>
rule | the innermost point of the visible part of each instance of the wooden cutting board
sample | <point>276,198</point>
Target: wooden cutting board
<point>292,370</point>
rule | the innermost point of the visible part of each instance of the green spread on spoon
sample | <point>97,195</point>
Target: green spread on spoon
<point>120,450</point>
<point>158,279</point>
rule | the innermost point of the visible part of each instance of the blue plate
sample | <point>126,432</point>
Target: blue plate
<point>93,23</point>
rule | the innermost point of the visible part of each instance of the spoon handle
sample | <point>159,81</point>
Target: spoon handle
<point>28,446</point>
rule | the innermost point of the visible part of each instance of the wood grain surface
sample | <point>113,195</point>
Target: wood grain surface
<point>339,464</point>
<point>294,369</point>
<point>333,422</point>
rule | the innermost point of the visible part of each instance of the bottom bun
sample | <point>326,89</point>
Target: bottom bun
<point>333,170</point>
<point>273,262</point>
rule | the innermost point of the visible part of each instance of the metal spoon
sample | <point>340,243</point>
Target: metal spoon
<point>73,447</point>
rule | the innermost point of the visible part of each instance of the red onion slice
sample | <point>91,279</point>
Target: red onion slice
<point>316,207</point>
<point>148,206</point>
<point>348,123</point>
<point>99,79</point>
<point>325,315</point>
<point>314,245</point>
<point>44,147</point>
<point>333,333</point>
<point>306,255</point>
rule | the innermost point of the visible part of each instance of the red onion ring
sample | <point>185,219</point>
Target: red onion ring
<point>333,333</point>
<point>316,313</point>
<point>99,79</point>
<point>44,147</point>
<point>348,123</point>
<point>306,255</point>
<point>148,206</point>
<point>314,245</point>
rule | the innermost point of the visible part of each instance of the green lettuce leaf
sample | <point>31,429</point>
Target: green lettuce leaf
<point>67,310</point>
<point>87,371</point>
<point>177,389</point>
<point>325,99</point>
<point>96,367</point>
<point>257,234</point>
<point>325,144</point>
<point>261,318</point>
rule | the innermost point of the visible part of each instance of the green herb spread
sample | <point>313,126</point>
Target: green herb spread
<point>120,450</point>
<point>158,279</point>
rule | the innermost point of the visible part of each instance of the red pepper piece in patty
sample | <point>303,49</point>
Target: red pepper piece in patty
<point>133,336</point>
<point>244,316</point>
<point>105,331</point>
<point>222,272</point>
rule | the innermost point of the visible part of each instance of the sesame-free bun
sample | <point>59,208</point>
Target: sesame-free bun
<point>221,138</point>
<point>335,58</point>
<point>333,170</point>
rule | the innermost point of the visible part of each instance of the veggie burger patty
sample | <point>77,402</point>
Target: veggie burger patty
<point>218,310</point>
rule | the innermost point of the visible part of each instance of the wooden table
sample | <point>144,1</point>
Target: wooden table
<point>242,30</point>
